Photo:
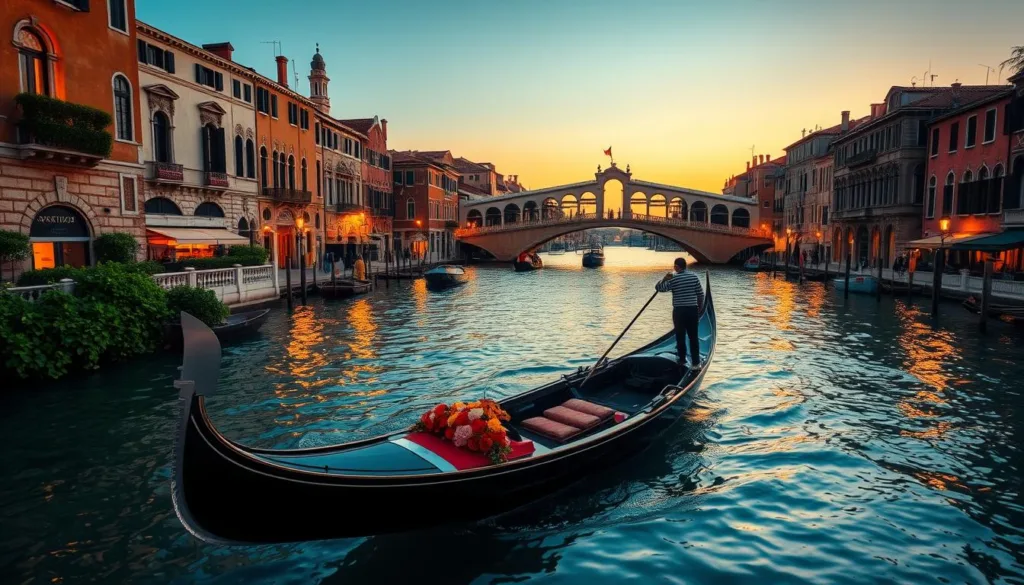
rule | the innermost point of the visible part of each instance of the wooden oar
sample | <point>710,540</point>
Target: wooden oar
<point>609,350</point>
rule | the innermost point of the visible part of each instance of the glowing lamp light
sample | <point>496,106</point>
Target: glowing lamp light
<point>418,223</point>
<point>818,234</point>
<point>789,231</point>
<point>299,222</point>
<point>944,224</point>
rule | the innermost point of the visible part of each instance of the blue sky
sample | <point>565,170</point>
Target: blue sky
<point>680,89</point>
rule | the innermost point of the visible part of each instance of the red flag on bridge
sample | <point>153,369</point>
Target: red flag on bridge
<point>608,152</point>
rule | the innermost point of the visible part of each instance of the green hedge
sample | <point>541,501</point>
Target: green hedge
<point>201,303</point>
<point>65,125</point>
<point>116,247</point>
<point>117,312</point>
<point>246,251</point>
<point>53,275</point>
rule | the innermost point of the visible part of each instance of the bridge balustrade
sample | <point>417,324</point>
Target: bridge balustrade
<point>585,218</point>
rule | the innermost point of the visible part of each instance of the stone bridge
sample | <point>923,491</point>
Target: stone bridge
<point>713,227</point>
<point>707,242</point>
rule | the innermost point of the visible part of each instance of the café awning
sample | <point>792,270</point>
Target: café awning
<point>933,242</point>
<point>1007,240</point>
<point>186,236</point>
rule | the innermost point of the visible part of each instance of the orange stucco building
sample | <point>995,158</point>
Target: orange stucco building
<point>60,188</point>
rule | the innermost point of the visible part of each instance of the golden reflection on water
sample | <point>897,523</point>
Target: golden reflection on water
<point>784,293</point>
<point>363,342</point>
<point>419,293</point>
<point>926,351</point>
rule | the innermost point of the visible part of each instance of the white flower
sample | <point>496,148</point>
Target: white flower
<point>476,413</point>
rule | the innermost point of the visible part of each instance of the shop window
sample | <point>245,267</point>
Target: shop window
<point>60,237</point>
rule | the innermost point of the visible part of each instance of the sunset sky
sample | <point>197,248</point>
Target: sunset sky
<point>681,90</point>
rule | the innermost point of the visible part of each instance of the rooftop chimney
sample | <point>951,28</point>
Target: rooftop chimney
<point>761,158</point>
<point>877,110</point>
<point>748,165</point>
<point>282,70</point>
<point>384,127</point>
<point>846,121</point>
<point>222,50</point>
<point>767,158</point>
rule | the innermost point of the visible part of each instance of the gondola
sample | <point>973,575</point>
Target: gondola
<point>753,264</point>
<point>343,289</point>
<point>236,326</point>
<point>527,262</point>
<point>1005,313</point>
<point>226,493</point>
<point>445,276</point>
<point>594,258</point>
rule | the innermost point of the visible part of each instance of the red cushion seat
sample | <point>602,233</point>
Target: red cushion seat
<point>601,412</point>
<point>573,418</point>
<point>550,428</point>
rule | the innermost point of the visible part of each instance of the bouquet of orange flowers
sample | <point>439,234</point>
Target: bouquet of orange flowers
<point>474,425</point>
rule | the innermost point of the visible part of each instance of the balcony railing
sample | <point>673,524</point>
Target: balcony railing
<point>287,195</point>
<point>165,172</point>
<point>215,179</point>
<point>861,158</point>
<point>1013,217</point>
<point>351,208</point>
<point>62,132</point>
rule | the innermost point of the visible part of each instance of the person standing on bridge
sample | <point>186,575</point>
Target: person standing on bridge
<point>687,304</point>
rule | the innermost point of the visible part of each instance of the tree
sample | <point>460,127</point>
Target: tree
<point>13,248</point>
<point>116,247</point>
<point>1015,62</point>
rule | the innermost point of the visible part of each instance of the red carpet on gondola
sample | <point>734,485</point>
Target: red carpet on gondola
<point>464,458</point>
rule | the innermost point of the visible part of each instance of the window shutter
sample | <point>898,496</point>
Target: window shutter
<point>219,81</point>
<point>199,73</point>
<point>169,61</point>
<point>273,106</point>
<point>221,150</point>
<point>141,45</point>
<point>205,137</point>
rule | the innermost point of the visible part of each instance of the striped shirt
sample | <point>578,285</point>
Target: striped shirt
<point>685,287</point>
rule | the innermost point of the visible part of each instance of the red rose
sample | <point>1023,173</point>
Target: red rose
<point>473,444</point>
<point>449,433</point>
<point>486,443</point>
<point>425,419</point>
<point>463,419</point>
<point>440,409</point>
<point>478,426</point>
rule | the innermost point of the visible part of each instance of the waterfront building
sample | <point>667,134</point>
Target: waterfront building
<point>426,202</point>
<point>483,178</point>
<point>972,181</point>
<point>759,182</point>
<point>808,187</point>
<point>879,183</point>
<point>59,188</point>
<point>339,184</point>
<point>199,146</point>
<point>376,172</point>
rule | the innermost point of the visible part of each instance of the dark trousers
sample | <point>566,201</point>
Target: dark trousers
<point>685,320</point>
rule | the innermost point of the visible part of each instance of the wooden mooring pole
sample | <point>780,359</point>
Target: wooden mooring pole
<point>288,279</point>
<point>986,294</point>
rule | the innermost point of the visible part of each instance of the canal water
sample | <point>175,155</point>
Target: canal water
<point>833,441</point>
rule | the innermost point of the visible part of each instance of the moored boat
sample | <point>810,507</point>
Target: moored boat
<point>237,326</point>
<point>226,493</point>
<point>594,257</point>
<point>753,264</point>
<point>345,288</point>
<point>1007,313</point>
<point>445,276</point>
<point>858,284</point>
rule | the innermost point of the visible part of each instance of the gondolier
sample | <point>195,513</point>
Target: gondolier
<point>687,302</point>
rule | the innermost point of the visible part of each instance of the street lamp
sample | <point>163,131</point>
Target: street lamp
<point>939,264</point>
<point>818,248</point>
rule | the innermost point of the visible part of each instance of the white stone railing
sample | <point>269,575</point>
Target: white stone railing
<point>585,218</point>
<point>32,293</point>
<point>961,282</point>
<point>241,284</point>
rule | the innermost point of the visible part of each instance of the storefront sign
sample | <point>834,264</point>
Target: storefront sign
<point>59,222</point>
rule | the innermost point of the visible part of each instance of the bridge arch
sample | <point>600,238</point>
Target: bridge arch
<point>638,203</point>
<point>475,218</point>
<point>570,205</point>
<point>740,217</point>
<point>720,215</point>
<point>530,211</point>
<point>493,216</point>
<point>549,208</point>
<point>657,206</point>
<point>676,207</point>
<point>613,196</point>
<point>512,213</point>
<point>699,212</point>
<point>588,203</point>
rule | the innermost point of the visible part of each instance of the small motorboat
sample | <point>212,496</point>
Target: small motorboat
<point>753,264</point>
<point>858,284</point>
<point>594,257</point>
<point>527,261</point>
<point>345,288</point>
<point>1005,313</point>
<point>445,276</point>
<point>227,493</point>
<point>237,326</point>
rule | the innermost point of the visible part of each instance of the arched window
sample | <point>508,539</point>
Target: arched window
<point>947,195</point>
<point>316,221</point>
<point>250,159</point>
<point>162,138</point>
<point>329,186</point>
<point>239,158</point>
<point>263,166</point>
<point>304,169</point>
<point>281,170</point>
<point>123,108</point>
<point>319,178</point>
<point>291,172</point>
<point>410,208</point>
<point>277,178</point>
<point>981,193</point>
<point>209,210</point>
<point>243,228</point>
<point>930,209</point>
<point>162,205</point>
<point>964,202</point>
<point>32,63</point>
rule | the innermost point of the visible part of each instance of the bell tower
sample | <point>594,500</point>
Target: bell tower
<point>318,82</point>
